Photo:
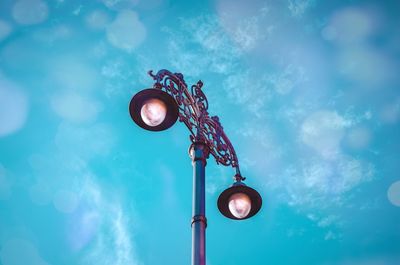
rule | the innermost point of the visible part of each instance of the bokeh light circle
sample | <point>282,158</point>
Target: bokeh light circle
<point>394,193</point>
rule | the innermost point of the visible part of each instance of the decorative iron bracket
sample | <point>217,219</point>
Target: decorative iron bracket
<point>193,112</point>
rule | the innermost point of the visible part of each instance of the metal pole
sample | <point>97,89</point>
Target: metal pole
<point>199,154</point>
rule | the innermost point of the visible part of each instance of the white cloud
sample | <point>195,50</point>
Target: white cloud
<point>290,77</point>
<point>260,28</point>
<point>201,40</point>
<point>318,183</point>
<point>330,236</point>
<point>323,131</point>
<point>327,221</point>
<point>153,4</point>
<point>13,107</point>
<point>77,10</point>
<point>126,32</point>
<point>74,107</point>
<point>5,30</point>
<point>111,243</point>
<point>120,4</point>
<point>216,180</point>
<point>123,244</point>
<point>299,7</point>
<point>18,251</point>
<point>99,227</point>
<point>261,154</point>
<point>28,12</point>
<point>393,193</point>
<point>243,22</point>
<point>249,33</point>
<point>253,96</point>
<point>119,75</point>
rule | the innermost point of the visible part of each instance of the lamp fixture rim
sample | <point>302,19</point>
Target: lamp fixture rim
<point>140,98</point>
<point>239,187</point>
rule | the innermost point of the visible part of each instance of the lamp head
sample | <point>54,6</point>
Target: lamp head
<point>239,201</point>
<point>153,109</point>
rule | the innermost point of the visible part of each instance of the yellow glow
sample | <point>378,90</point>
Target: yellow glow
<point>153,112</point>
<point>239,205</point>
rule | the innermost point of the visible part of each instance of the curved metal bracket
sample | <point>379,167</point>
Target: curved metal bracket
<point>193,112</point>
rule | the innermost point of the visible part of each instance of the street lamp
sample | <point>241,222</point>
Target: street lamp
<point>157,109</point>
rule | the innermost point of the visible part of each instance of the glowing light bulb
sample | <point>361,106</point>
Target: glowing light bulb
<point>239,205</point>
<point>153,112</point>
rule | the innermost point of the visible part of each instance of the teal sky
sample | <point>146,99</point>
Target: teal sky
<point>307,91</point>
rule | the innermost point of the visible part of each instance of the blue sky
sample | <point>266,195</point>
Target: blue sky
<point>307,91</point>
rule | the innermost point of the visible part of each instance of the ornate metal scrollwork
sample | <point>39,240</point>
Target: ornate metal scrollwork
<point>193,112</point>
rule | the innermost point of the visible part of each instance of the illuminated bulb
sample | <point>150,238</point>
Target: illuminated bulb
<point>153,112</point>
<point>239,205</point>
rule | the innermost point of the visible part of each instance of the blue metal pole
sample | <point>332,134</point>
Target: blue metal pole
<point>199,154</point>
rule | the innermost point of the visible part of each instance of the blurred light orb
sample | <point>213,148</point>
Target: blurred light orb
<point>239,205</point>
<point>65,201</point>
<point>13,108</point>
<point>153,112</point>
<point>5,29</point>
<point>394,193</point>
<point>359,138</point>
<point>29,12</point>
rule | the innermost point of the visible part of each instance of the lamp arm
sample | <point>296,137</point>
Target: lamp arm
<point>193,112</point>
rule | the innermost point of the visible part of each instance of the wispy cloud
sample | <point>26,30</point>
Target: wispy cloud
<point>200,45</point>
<point>299,7</point>
<point>245,23</point>
<point>120,4</point>
<point>254,97</point>
<point>323,131</point>
<point>99,226</point>
<point>318,183</point>
<point>112,242</point>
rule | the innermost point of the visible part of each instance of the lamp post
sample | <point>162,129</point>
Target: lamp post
<point>157,109</point>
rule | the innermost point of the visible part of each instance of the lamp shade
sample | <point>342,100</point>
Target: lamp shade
<point>153,109</point>
<point>239,202</point>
